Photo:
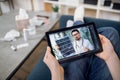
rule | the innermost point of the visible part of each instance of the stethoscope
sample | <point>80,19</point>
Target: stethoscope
<point>77,46</point>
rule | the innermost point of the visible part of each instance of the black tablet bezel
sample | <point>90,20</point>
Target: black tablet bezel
<point>94,35</point>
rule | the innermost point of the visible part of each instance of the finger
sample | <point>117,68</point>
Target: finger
<point>98,54</point>
<point>101,36</point>
<point>47,54</point>
<point>48,50</point>
<point>103,39</point>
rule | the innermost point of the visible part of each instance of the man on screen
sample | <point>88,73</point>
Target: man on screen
<point>80,44</point>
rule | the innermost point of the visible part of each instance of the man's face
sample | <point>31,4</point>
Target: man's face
<point>76,35</point>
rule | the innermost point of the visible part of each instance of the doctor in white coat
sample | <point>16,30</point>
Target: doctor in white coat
<point>80,44</point>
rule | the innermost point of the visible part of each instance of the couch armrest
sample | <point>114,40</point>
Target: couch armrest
<point>40,71</point>
<point>103,23</point>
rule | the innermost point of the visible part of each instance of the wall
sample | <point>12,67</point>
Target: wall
<point>4,7</point>
<point>38,5</point>
<point>25,4</point>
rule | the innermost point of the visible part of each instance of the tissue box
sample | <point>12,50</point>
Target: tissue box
<point>21,24</point>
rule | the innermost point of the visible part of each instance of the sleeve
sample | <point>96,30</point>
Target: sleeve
<point>88,45</point>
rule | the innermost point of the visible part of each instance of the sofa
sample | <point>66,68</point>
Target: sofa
<point>41,71</point>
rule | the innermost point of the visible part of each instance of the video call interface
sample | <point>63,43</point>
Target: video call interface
<point>67,43</point>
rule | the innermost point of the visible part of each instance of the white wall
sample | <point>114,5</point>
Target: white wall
<point>25,4</point>
<point>4,7</point>
<point>38,5</point>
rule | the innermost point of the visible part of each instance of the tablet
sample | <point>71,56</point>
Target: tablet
<point>74,42</point>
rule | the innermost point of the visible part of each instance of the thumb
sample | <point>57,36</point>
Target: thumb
<point>48,49</point>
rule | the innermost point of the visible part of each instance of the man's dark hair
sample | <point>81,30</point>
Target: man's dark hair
<point>74,31</point>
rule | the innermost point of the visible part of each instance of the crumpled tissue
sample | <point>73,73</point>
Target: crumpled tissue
<point>11,35</point>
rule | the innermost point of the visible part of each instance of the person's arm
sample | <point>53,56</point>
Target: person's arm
<point>87,45</point>
<point>114,66</point>
<point>90,46</point>
<point>110,57</point>
<point>56,69</point>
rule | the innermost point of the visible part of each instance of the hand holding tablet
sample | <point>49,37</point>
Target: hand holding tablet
<point>74,42</point>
